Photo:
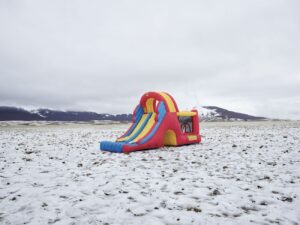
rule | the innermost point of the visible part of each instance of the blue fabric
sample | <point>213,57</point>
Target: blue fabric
<point>161,114</point>
<point>111,146</point>
<point>138,115</point>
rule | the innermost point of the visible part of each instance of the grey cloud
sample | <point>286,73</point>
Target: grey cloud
<point>102,55</point>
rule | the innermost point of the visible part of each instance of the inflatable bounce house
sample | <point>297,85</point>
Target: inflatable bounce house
<point>157,122</point>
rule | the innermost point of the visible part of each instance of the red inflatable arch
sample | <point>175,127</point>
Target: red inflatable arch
<point>157,122</point>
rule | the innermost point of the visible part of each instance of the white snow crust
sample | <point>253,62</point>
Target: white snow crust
<point>241,173</point>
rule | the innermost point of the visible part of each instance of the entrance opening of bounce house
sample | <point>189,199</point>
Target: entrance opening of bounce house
<point>157,122</point>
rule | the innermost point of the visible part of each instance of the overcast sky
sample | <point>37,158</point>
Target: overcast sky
<point>103,55</point>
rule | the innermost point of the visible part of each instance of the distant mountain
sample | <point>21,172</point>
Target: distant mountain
<point>214,113</point>
<point>13,113</point>
<point>206,113</point>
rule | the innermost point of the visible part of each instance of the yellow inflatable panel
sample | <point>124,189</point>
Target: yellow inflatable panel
<point>170,138</point>
<point>186,113</point>
<point>192,137</point>
<point>169,102</point>
<point>149,105</point>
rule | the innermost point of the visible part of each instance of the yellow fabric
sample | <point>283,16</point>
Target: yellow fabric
<point>170,138</point>
<point>186,113</point>
<point>169,101</point>
<point>135,129</point>
<point>149,105</point>
<point>146,129</point>
<point>192,137</point>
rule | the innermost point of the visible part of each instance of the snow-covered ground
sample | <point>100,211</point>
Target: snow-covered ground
<point>242,173</point>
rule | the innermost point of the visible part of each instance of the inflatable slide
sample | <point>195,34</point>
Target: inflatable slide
<point>157,122</point>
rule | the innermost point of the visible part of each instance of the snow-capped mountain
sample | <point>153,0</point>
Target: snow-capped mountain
<point>206,113</point>
<point>13,113</point>
<point>214,113</point>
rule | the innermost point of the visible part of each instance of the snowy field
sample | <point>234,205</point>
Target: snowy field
<point>241,173</point>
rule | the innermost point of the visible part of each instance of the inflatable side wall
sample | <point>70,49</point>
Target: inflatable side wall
<point>157,122</point>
